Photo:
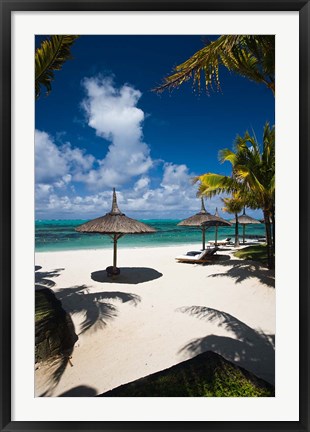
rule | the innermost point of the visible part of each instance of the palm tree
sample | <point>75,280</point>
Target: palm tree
<point>251,56</point>
<point>253,176</point>
<point>234,205</point>
<point>51,56</point>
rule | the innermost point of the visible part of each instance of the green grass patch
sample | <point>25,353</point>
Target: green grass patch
<point>256,253</point>
<point>207,375</point>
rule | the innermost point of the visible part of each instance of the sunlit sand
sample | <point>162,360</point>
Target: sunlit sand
<point>155,314</point>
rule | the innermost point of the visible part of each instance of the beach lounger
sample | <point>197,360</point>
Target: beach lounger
<point>221,242</point>
<point>249,241</point>
<point>198,257</point>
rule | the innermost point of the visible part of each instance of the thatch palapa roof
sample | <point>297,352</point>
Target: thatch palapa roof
<point>245,219</point>
<point>197,219</point>
<point>115,222</point>
<point>204,220</point>
<point>216,220</point>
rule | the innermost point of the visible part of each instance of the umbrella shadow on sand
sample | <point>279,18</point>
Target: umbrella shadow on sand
<point>247,347</point>
<point>128,275</point>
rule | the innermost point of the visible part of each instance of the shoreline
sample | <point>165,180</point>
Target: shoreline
<point>190,245</point>
<point>156,314</point>
<point>119,247</point>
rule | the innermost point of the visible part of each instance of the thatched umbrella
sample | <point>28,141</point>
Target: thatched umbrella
<point>115,224</point>
<point>245,220</point>
<point>216,221</point>
<point>197,220</point>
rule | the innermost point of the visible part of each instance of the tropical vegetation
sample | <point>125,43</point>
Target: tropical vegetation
<point>252,178</point>
<point>206,375</point>
<point>251,56</point>
<point>234,205</point>
<point>254,252</point>
<point>49,57</point>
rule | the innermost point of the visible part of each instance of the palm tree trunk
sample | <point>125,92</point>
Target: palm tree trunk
<point>273,228</point>
<point>243,233</point>
<point>203,238</point>
<point>236,231</point>
<point>270,253</point>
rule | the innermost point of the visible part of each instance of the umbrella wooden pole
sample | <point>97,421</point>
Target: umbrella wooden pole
<point>114,251</point>
<point>243,233</point>
<point>216,228</point>
<point>203,238</point>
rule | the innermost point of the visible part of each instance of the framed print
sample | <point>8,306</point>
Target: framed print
<point>142,147</point>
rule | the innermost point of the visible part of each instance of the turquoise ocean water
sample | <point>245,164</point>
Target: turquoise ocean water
<point>57,235</point>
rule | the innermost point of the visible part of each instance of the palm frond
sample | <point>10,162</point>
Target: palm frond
<point>233,204</point>
<point>227,155</point>
<point>248,55</point>
<point>214,184</point>
<point>49,57</point>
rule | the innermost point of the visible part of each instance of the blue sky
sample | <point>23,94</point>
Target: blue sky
<point>102,127</point>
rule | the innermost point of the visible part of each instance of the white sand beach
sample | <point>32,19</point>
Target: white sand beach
<point>155,314</point>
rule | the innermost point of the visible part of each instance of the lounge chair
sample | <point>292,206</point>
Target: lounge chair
<point>204,256</point>
<point>221,242</point>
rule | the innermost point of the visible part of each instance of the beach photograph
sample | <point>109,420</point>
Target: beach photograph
<point>154,216</point>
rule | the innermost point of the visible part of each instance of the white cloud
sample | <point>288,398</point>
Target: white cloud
<point>43,191</point>
<point>77,159</point>
<point>63,182</point>
<point>113,113</point>
<point>59,165</point>
<point>175,177</point>
<point>49,162</point>
<point>153,203</point>
<point>52,205</point>
<point>142,183</point>
<point>174,197</point>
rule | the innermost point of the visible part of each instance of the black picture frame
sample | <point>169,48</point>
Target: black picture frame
<point>7,7</point>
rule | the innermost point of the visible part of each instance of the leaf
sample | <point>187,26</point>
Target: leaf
<point>49,57</point>
<point>251,56</point>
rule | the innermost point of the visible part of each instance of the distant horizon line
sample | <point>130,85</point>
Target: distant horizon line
<point>85,219</point>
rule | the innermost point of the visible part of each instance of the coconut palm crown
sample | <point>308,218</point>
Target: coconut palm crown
<point>253,176</point>
<point>234,205</point>
<point>251,56</point>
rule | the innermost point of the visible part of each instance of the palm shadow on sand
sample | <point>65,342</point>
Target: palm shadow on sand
<point>57,364</point>
<point>240,270</point>
<point>96,307</point>
<point>128,275</point>
<point>97,311</point>
<point>80,391</point>
<point>249,348</point>
<point>42,278</point>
